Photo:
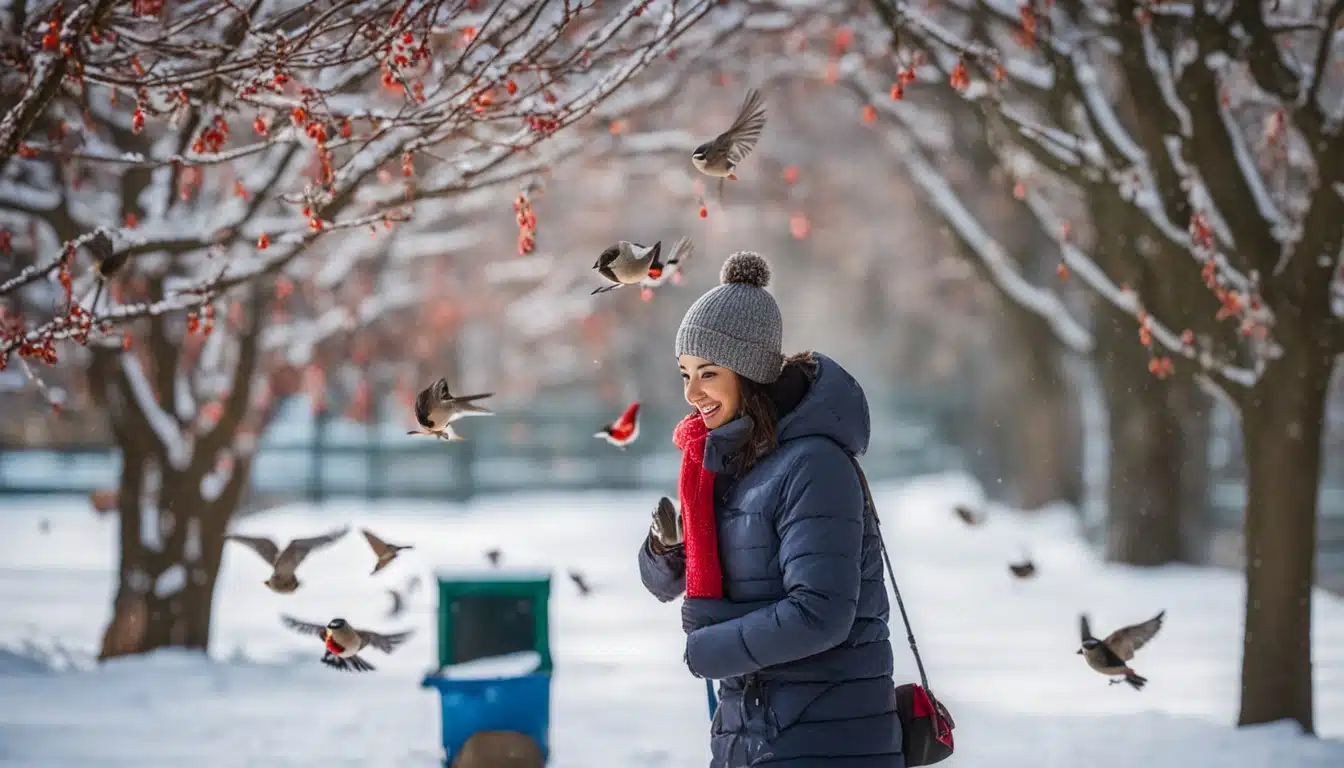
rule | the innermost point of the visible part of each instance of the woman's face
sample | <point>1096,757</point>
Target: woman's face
<point>711,389</point>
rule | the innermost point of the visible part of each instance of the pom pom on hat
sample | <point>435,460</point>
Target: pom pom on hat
<point>747,267</point>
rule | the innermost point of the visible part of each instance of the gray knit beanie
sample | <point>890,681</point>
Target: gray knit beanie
<point>737,324</point>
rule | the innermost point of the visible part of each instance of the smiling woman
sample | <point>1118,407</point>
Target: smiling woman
<point>776,543</point>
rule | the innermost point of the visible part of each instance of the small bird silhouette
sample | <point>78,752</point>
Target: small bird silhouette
<point>436,409</point>
<point>107,262</point>
<point>968,516</point>
<point>627,263</point>
<point>493,556</point>
<point>283,563</point>
<point>400,597</point>
<point>666,525</point>
<point>579,581</point>
<point>1111,656</point>
<point>720,157</point>
<point>44,526</point>
<point>385,552</point>
<point>682,250</point>
<point>1023,570</point>
<point>624,430</point>
<point>343,642</point>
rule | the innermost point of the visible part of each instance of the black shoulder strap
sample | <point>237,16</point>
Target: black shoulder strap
<point>891,573</point>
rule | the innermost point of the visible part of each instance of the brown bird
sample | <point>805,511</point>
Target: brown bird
<point>580,582</point>
<point>1111,656</point>
<point>493,556</point>
<point>1023,570</point>
<point>436,409</point>
<point>385,552</point>
<point>283,563</point>
<point>343,642</point>
<point>967,516</point>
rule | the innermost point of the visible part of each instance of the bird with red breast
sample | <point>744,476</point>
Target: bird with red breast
<point>624,430</point>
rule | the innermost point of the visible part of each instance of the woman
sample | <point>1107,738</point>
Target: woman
<point>798,638</point>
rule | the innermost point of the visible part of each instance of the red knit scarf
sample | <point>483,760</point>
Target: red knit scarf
<point>704,577</point>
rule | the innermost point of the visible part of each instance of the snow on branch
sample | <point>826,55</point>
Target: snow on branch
<point>166,431</point>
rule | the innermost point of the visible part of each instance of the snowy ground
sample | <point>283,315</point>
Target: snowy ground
<point>999,651</point>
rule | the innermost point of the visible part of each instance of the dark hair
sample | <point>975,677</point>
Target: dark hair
<point>759,402</point>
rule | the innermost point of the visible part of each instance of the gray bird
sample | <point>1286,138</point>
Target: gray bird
<point>343,642</point>
<point>1111,656</point>
<point>719,158</point>
<point>436,409</point>
<point>580,582</point>
<point>399,597</point>
<point>968,516</point>
<point>627,263</point>
<point>283,563</point>
<point>665,530</point>
<point>1023,570</point>
<point>107,263</point>
<point>681,253</point>
<point>493,556</point>
<point>385,552</point>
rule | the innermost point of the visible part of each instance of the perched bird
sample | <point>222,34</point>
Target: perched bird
<point>436,409</point>
<point>493,556</point>
<point>344,642</point>
<point>580,582</point>
<point>283,563</point>
<point>719,158</point>
<point>385,552</point>
<point>1023,570</point>
<point>1110,656</point>
<point>627,263</point>
<point>967,516</point>
<point>399,597</point>
<point>681,253</point>
<point>624,430</point>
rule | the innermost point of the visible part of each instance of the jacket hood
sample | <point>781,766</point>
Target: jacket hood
<point>833,407</point>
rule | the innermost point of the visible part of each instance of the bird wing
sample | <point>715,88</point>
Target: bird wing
<point>262,546</point>
<point>1127,640</point>
<point>378,546</point>
<point>1083,628</point>
<point>424,403</point>
<point>463,406</point>
<point>316,630</point>
<point>413,585</point>
<point>397,603</point>
<point>384,643</point>
<point>742,135</point>
<point>605,288</point>
<point>681,253</point>
<point>607,256</point>
<point>630,416</point>
<point>298,549</point>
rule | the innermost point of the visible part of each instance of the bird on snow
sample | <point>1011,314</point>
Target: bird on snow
<point>720,157</point>
<point>343,642</point>
<point>284,562</point>
<point>493,556</point>
<point>968,516</point>
<point>624,430</point>
<point>672,268</point>
<point>1023,570</point>
<point>385,552</point>
<point>1111,656</point>
<point>627,263</point>
<point>399,597</point>
<point>436,409</point>
<point>580,582</point>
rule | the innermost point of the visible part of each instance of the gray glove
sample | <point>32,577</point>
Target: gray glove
<point>665,530</point>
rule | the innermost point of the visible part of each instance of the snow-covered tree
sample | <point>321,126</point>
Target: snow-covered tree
<point>1186,161</point>
<point>210,206</point>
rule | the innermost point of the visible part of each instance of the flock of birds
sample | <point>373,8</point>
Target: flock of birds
<point>1109,656</point>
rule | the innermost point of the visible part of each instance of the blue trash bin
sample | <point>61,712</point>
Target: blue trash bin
<point>520,704</point>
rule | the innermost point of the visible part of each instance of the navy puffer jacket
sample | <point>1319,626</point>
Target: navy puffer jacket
<point>800,640</point>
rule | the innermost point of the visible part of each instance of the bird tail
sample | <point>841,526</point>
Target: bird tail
<point>680,251</point>
<point>1135,680</point>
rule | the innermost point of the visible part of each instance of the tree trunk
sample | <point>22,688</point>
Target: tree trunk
<point>1282,425</point>
<point>1194,407</point>
<point>1147,451</point>
<point>1045,453</point>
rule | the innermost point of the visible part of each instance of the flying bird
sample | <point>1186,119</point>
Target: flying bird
<point>624,430</point>
<point>579,581</point>
<point>343,642</point>
<point>400,596</point>
<point>1111,656</point>
<point>284,562</point>
<point>385,552</point>
<point>436,409</point>
<point>968,516</point>
<point>720,157</point>
<point>1023,570</point>
<point>627,263</point>
<point>672,268</point>
<point>493,556</point>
